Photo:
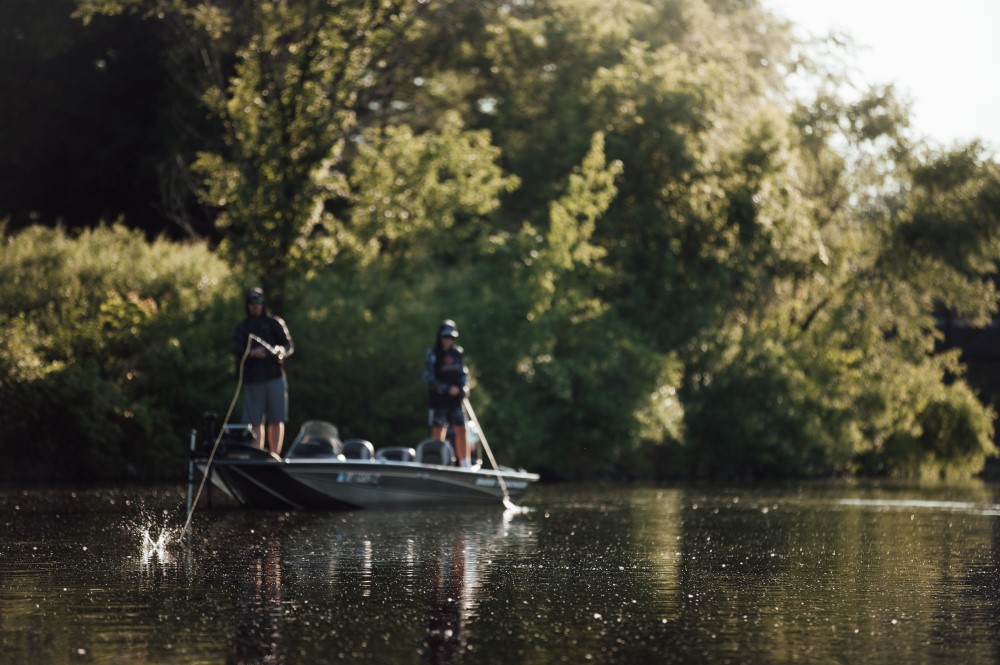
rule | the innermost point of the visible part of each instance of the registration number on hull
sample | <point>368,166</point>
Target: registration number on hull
<point>358,478</point>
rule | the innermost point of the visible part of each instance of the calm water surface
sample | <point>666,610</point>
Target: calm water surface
<point>815,574</point>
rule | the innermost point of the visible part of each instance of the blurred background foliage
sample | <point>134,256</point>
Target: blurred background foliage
<point>665,260</point>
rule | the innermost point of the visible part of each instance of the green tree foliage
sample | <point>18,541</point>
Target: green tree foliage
<point>107,352</point>
<point>285,110</point>
<point>850,344</point>
<point>421,197</point>
<point>566,361</point>
<point>661,262</point>
<point>527,309</point>
<point>418,203</point>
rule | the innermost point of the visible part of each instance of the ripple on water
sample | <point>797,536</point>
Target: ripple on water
<point>904,504</point>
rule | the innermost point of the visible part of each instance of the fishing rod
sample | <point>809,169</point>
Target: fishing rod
<point>277,351</point>
<point>482,436</point>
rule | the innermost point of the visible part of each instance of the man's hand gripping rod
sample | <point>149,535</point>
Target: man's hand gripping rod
<point>275,350</point>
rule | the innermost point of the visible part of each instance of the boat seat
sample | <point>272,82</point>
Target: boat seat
<point>399,454</point>
<point>314,449</point>
<point>433,451</point>
<point>358,449</point>
<point>316,440</point>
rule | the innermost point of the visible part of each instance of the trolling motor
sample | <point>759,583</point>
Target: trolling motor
<point>208,429</point>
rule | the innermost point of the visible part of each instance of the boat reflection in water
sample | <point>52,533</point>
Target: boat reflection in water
<point>342,586</point>
<point>450,600</point>
<point>261,618</point>
<point>465,563</point>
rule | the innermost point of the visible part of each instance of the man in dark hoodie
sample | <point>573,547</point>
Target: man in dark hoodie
<point>447,380</point>
<point>265,389</point>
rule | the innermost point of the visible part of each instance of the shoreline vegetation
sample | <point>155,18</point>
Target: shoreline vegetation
<point>678,243</point>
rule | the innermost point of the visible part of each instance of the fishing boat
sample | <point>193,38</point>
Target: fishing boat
<point>321,472</point>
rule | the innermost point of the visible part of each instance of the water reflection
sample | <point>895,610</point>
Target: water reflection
<point>326,587</point>
<point>448,603</point>
<point>597,575</point>
<point>261,623</point>
<point>455,583</point>
<point>823,578</point>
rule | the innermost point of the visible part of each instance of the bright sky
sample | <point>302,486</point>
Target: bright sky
<point>945,56</point>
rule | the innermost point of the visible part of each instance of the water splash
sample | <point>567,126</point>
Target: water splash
<point>154,548</point>
<point>511,509</point>
<point>155,544</point>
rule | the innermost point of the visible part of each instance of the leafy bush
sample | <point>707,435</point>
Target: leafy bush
<point>951,436</point>
<point>107,358</point>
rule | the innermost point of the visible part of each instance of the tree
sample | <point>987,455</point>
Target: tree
<point>672,257</point>
<point>844,370</point>
<point>285,109</point>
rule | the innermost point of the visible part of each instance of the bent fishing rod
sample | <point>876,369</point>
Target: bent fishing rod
<point>482,436</point>
<point>278,352</point>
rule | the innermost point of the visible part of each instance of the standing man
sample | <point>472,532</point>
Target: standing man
<point>265,390</point>
<point>447,380</point>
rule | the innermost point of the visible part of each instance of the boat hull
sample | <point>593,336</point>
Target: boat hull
<point>274,484</point>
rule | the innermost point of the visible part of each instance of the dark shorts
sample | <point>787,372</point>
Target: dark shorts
<point>447,415</point>
<point>268,399</point>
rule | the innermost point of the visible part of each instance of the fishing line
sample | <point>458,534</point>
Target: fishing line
<point>218,439</point>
